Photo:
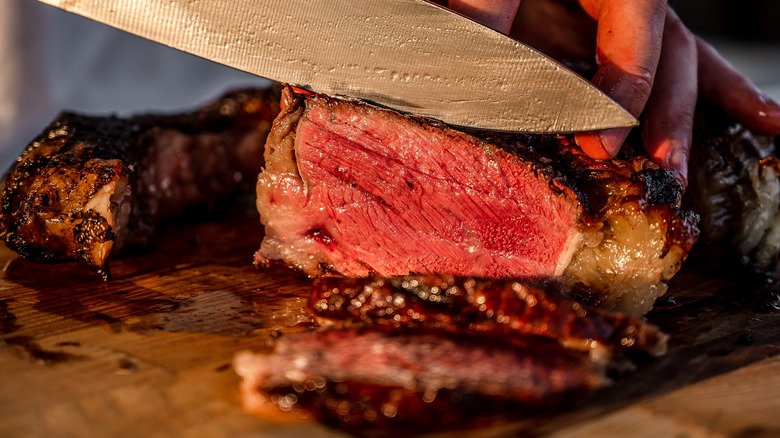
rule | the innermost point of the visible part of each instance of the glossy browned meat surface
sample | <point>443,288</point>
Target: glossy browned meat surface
<point>498,307</point>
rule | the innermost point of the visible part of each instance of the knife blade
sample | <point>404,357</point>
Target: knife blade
<point>410,55</point>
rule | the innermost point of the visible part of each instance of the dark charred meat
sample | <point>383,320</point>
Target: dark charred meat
<point>735,186</point>
<point>376,379</point>
<point>499,307</point>
<point>353,189</point>
<point>88,185</point>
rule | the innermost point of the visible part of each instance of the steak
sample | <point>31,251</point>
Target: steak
<point>504,308</point>
<point>349,186</point>
<point>492,226</point>
<point>352,189</point>
<point>89,185</point>
<point>392,354</point>
<point>735,186</point>
<point>362,380</point>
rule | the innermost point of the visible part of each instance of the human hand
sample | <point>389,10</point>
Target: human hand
<point>647,61</point>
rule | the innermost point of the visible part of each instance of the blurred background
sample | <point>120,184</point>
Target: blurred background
<point>747,33</point>
<point>746,20</point>
<point>53,60</point>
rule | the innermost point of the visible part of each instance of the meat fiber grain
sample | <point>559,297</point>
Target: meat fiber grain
<point>364,380</point>
<point>353,189</point>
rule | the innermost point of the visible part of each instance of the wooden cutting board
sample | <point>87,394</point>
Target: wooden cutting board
<point>149,353</point>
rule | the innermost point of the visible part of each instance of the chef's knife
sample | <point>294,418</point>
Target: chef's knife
<point>410,55</point>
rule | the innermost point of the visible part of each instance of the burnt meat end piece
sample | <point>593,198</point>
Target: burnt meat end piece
<point>352,189</point>
<point>364,380</point>
<point>506,308</point>
<point>735,187</point>
<point>88,185</point>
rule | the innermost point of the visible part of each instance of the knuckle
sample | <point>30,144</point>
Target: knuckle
<point>642,80</point>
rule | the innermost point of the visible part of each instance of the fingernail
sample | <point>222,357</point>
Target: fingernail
<point>677,163</point>
<point>612,139</point>
<point>774,110</point>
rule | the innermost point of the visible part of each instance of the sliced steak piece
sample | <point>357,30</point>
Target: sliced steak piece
<point>499,307</point>
<point>353,189</point>
<point>374,379</point>
<point>88,185</point>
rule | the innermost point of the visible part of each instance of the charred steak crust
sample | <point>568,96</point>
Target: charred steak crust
<point>600,185</point>
<point>504,308</point>
<point>353,189</point>
<point>88,184</point>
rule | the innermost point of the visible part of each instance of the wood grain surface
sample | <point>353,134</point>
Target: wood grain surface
<point>149,353</point>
